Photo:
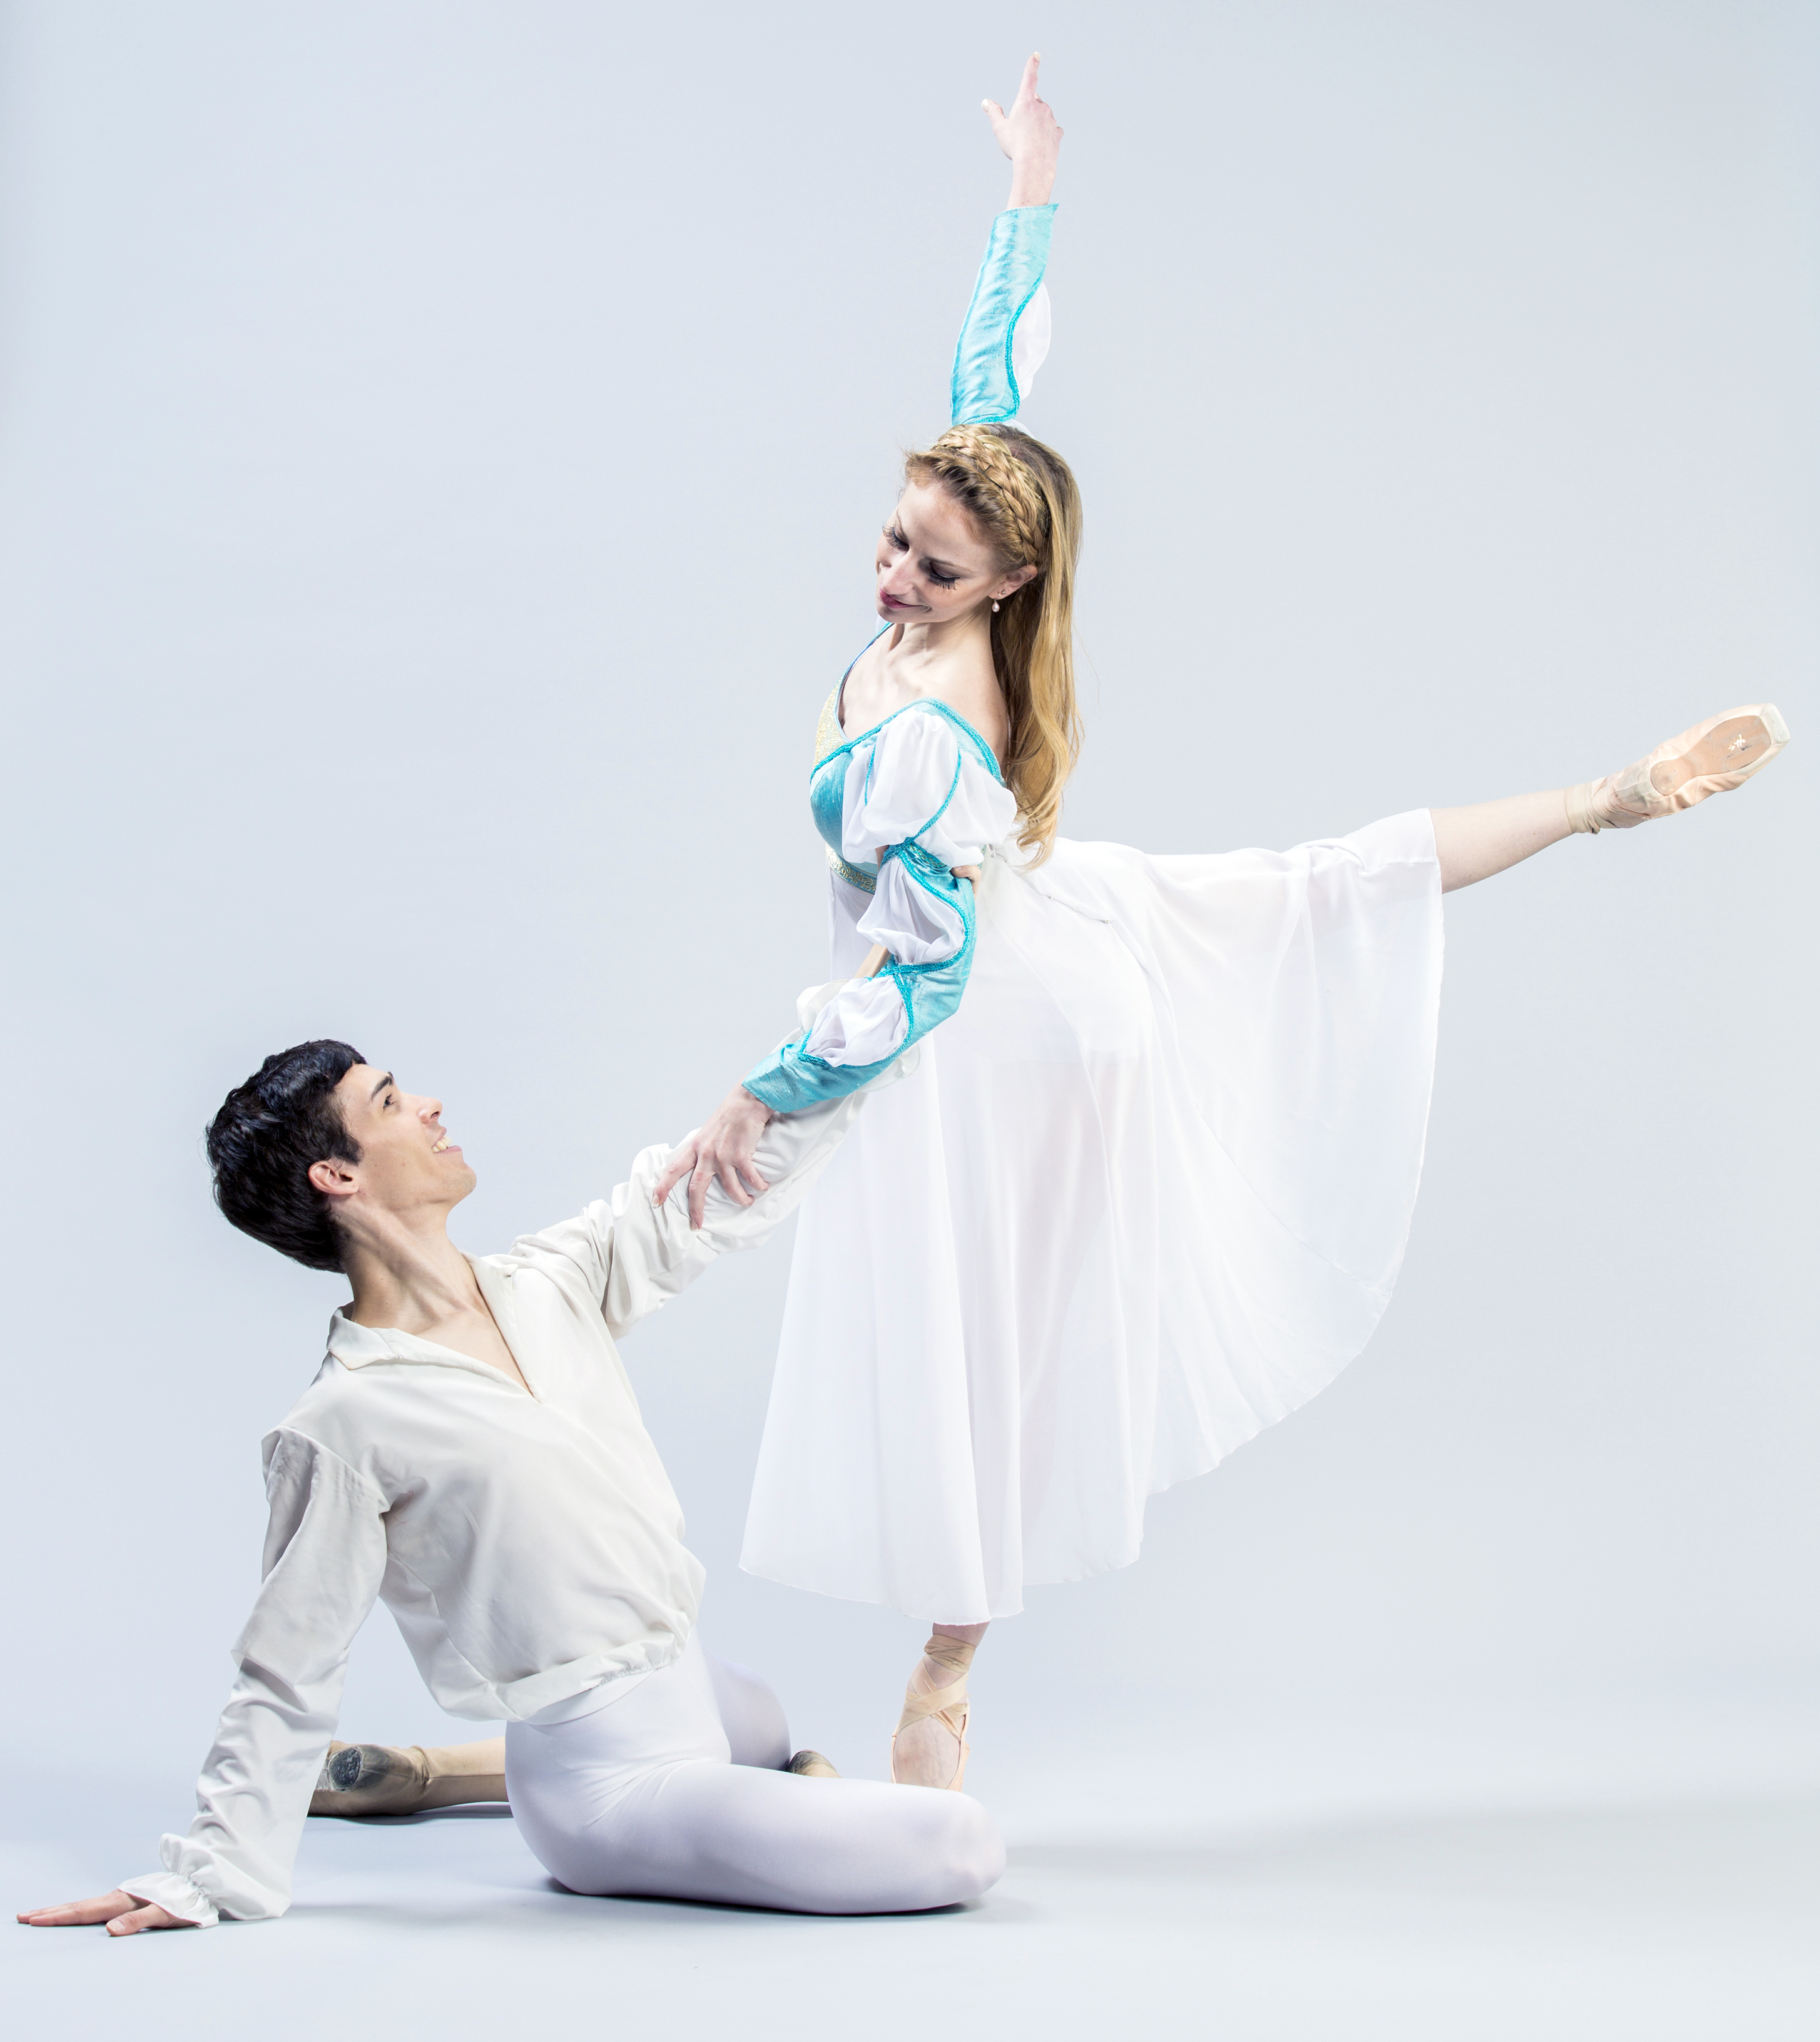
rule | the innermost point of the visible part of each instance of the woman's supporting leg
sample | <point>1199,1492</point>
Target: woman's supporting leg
<point>929,1747</point>
<point>1711,758</point>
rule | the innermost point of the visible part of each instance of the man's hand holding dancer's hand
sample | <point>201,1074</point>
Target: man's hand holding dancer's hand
<point>723,1148</point>
<point>1031,136</point>
<point>123,1915</point>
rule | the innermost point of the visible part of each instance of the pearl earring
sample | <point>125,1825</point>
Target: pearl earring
<point>995,606</point>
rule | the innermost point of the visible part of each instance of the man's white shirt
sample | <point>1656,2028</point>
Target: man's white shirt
<point>530,1546</point>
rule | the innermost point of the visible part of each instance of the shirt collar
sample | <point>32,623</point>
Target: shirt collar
<point>356,1346</point>
<point>359,1346</point>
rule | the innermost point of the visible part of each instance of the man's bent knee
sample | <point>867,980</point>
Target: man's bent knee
<point>971,1851</point>
<point>982,1853</point>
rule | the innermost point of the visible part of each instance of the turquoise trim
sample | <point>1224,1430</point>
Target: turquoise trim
<point>982,388</point>
<point>946,799</point>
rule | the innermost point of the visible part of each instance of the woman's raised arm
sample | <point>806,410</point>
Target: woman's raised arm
<point>1031,136</point>
<point>1005,335</point>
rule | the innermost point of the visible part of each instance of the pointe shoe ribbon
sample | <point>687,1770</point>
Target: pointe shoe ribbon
<point>949,1704</point>
<point>1711,758</point>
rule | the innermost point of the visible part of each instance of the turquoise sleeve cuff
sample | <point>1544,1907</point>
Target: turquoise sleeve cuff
<point>789,1079</point>
<point>984,389</point>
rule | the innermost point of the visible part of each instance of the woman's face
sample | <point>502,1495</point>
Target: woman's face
<point>932,565</point>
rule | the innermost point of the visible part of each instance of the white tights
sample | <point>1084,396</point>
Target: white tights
<point>675,1790</point>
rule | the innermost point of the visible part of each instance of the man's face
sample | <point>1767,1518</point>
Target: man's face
<point>408,1163</point>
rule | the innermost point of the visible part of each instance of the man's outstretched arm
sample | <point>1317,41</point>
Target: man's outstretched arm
<point>325,1553</point>
<point>636,1250</point>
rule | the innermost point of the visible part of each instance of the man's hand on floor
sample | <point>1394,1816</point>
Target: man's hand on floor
<point>123,1915</point>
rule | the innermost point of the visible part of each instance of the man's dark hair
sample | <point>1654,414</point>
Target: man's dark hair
<point>262,1143</point>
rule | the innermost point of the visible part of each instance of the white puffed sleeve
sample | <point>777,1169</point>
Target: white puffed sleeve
<point>325,1555</point>
<point>915,782</point>
<point>865,1019</point>
<point>862,1023</point>
<point>1030,339</point>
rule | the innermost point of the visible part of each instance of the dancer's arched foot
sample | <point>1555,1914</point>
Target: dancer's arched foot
<point>812,1765</point>
<point>404,1780</point>
<point>929,1746</point>
<point>1712,758</point>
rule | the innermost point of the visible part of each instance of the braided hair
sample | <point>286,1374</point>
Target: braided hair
<point>1022,498</point>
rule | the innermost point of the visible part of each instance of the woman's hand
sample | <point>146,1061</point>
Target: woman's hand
<point>123,1915</point>
<point>1030,136</point>
<point>723,1148</point>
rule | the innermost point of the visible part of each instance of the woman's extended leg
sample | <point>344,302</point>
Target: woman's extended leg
<point>1490,836</point>
<point>1712,758</point>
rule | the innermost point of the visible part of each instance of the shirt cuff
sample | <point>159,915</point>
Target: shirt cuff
<point>175,1894</point>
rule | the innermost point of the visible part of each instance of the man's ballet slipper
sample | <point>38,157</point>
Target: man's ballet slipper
<point>812,1765</point>
<point>950,1704</point>
<point>1712,758</point>
<point>394,1779</point>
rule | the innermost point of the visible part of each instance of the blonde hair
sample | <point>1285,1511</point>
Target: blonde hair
<point>1021,497</point>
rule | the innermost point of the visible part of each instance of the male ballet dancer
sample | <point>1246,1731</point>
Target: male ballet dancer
<point>470,1453</point>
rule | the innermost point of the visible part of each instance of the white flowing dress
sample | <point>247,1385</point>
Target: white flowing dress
<point>1147,1192</point>
<point>1148,1188</point>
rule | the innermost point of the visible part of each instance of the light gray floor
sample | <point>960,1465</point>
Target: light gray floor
<point>1128,1909</point>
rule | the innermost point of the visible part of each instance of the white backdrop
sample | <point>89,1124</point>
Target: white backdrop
<point>442,446</point>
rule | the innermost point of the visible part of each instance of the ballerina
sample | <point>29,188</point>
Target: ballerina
<point>1150,1189</point>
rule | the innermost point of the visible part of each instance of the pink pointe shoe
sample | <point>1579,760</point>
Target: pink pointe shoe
<point>947,1705</point>
<point>1712,758</point>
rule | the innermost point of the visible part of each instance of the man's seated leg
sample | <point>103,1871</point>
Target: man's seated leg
<point>640,1795</point>
<point>751,1715</point>
<point>700,1830</point>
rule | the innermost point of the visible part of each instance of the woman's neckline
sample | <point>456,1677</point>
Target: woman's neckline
<point>978,736</point>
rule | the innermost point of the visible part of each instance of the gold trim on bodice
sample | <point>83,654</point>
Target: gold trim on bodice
<point>827,737</point>
<point>827,731</point>
<point>851,873</point>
